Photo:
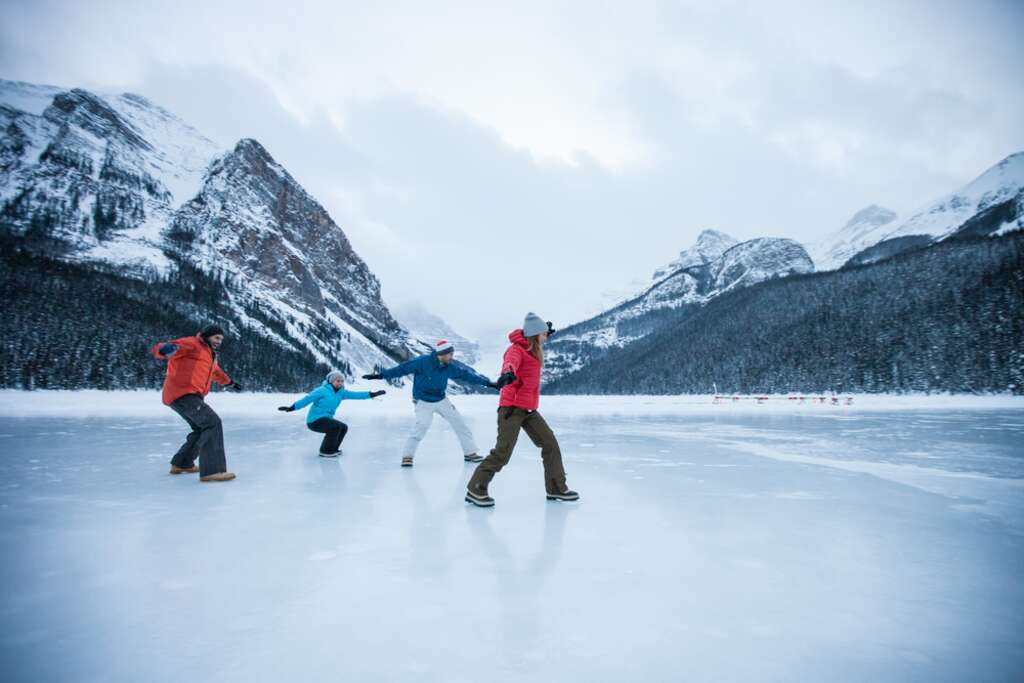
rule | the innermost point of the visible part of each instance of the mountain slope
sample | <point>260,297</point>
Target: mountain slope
<point>252,222</point>
<point>95,178</point>
<point>989,204</point>
<point>428,329</point>
<point>943,217</point>
<point>105,343</point>
<point>114,180</point>
<point>956,325</point>
<point>716,264</point>
<point>859,233</point>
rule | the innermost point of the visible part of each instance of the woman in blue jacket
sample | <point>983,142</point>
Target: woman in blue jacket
<point>325,399</point>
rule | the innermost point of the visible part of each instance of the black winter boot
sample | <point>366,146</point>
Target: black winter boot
<point>479,499</point>
<point>565,495</point>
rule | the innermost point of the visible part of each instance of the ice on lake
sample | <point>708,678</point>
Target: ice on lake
<point>711,544</point>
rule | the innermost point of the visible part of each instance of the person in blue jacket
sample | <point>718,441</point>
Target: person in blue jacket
<point>431,373</point>
<point>325,400</point>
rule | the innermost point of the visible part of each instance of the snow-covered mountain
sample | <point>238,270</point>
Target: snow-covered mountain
<point>945,216</point>
<point>117,180</point>
<point>859,233</point>
<point>992,203</point>
<point>710,245</point>
<point>715,264</point>
<point>427,329</point>
<point>98,176</point>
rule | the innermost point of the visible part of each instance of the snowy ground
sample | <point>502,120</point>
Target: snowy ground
<point>878,542</point>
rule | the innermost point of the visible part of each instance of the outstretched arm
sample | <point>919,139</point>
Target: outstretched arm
<point>360,395</point>
<point>308,398</point>
<point>465,373</point>
<point>347,395</point>
<point>165,349</point>
<point>406,368</point>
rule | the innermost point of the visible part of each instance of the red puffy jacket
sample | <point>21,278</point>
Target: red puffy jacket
<point>525,391</point>
<point>191,370</point>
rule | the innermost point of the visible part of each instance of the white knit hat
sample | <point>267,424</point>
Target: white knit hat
<point>444,346</point>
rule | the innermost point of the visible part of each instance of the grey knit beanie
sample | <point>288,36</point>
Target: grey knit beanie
<point>334,373</point>
<point>533,325</point>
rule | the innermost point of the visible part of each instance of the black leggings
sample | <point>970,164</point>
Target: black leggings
<point>333,430</point>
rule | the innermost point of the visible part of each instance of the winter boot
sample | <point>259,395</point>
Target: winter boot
<point>479,499</point>
<point>220,476</point>
<point>335,454</point>
<point>184,470</point>
<point>565,495</point>
<point>406,461</point>
<point>472,457</point>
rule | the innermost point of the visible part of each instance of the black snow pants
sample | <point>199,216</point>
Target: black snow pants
<point>205,441</point>
<point>333,430</point>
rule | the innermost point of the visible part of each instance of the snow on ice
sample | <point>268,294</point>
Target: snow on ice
<point>880,541</point>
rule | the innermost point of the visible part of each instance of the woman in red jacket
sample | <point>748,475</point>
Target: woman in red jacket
<point>191,369</point>
<point>517,409</point>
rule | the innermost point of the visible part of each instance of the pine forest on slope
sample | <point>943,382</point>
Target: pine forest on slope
<point>946,317</point>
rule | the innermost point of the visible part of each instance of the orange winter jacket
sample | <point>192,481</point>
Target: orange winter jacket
<point>190,370</point>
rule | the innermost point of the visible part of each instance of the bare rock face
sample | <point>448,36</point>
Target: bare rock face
<point>251,219</point>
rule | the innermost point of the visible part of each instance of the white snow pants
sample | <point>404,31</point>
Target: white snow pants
<point>425,415</point>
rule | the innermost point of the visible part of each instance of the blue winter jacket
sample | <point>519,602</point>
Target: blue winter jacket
<point>325,400</point>
<point>430,377</point>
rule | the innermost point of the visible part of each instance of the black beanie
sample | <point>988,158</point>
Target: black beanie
<point>211,330</point>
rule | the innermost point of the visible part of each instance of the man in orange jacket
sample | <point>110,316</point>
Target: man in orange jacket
<point>191,370</point>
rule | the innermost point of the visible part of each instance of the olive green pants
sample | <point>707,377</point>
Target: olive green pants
<point>510,421</point>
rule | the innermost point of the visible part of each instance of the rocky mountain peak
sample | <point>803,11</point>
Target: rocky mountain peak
<point>115,179</point>
<point>93,115</point>
<point>710,245</point>
<point>760,259</point>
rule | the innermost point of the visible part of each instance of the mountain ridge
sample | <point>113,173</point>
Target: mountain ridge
<point>118,180</point>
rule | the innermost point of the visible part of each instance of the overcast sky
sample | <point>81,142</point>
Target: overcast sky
<point>492,158</point>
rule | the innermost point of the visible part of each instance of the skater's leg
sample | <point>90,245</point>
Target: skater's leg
<point>186,456</point>
<point>509,421</point>
<point>540,433</point>
<point>424,416</point>
<point>339,435</point>
<point>211,440</point>
<point>333,430</point>
<point>446,410</point>
<point>333,436</point>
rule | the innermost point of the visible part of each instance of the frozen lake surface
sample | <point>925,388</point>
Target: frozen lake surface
<point>712,543</point>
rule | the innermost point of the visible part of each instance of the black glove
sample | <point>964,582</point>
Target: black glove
<point>373,376</point>
<point>168,349</point>
<point>375,394</point>
<point>234,386</point>
<point>504,378</point>
<point>551,328</point>
<point>287,409</point>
